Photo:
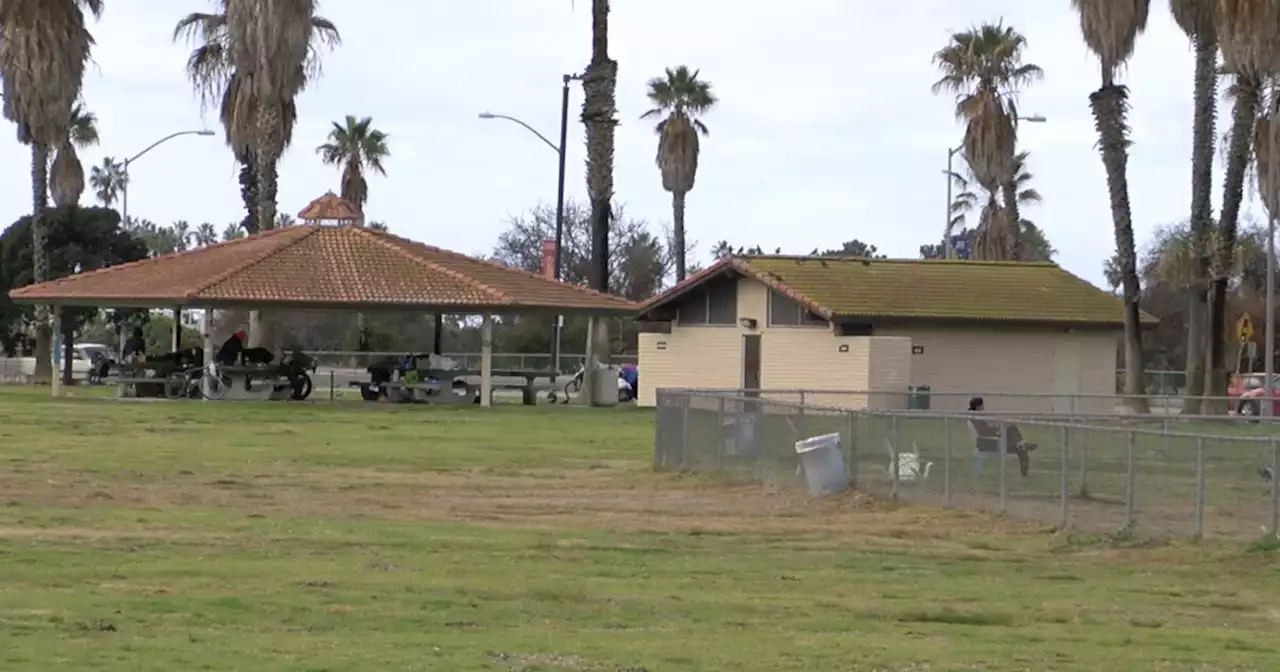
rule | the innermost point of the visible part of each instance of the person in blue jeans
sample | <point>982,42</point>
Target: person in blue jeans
<point>988,440</point>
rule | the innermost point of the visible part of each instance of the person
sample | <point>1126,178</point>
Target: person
<point>229,353</point>
<point>988,440</point>
<point>135,347</point>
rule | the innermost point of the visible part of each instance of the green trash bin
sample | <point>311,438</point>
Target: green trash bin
<point>918,397</point>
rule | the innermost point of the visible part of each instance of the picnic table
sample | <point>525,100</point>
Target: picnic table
<point>450,386</point>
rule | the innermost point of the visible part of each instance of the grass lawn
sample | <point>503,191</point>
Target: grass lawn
<point>224,536</point>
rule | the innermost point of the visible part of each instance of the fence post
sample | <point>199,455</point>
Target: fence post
<point>1065,513</point>
<point>1131,445</point>
<point>1199,488</point>
<point>684,431</point>
<point>851,469</point>
<point>802,400</point>
<point>331,392</point>
<point>720,433</point>
<point>1003,447</point>
<point>946,461</point>
<point>893,454</point>
<point>1275,487</point>
<point>1084,465</point>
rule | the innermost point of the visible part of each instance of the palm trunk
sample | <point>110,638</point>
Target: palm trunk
<point>1202,138</point>
<point>598,107</point>
<point>68,350</point>
<point>1013,219</point>
<point>249,194</point>
<point>677,216</point>
<point>40,259</point>
<point>266,155</point>
<point>1108,104</point>
<point>1242,119</point>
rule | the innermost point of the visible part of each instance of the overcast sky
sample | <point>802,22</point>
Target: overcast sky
<point>826,129</point>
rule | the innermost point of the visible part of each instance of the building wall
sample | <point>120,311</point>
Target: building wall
<point>791,358</point>
<point>1044,371</point>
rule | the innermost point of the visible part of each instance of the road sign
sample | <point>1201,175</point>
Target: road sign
<point>1244,328</point>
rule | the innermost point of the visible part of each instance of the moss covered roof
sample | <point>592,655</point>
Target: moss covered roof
<point>927,289</point>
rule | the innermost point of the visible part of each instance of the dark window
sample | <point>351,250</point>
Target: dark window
<point>722,301</point>
<point>692,308</point>
<point>855,329</point>
<point>785,312</point>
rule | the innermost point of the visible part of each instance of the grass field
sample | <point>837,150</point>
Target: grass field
<point>189,536</point>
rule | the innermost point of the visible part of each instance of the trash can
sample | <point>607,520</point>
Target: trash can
<point>918,397</point>
<point>823,464</point>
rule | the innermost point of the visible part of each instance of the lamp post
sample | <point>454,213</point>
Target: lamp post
<point>947,245</point>
<point>124,189</point>
<point>559,149</point>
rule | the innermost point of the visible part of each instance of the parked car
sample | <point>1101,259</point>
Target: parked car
<point>1248,393</point>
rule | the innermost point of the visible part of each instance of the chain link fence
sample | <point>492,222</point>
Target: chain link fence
<point>1089,478</point>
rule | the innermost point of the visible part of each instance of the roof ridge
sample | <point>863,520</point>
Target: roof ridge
<point>776,284</point>
<point>495,265</point>
<point>851,257</point>
<point>110,270</point>
<point>377,237</point>
<point>256,259</point>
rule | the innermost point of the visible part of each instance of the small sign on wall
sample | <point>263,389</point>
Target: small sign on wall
<point>660,345</point>
<point>917,349</point>
<point>843,348</point>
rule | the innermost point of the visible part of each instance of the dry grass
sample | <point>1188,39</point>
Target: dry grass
<point>299,537</point>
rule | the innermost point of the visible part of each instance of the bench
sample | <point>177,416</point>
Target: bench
<point>454,380</point>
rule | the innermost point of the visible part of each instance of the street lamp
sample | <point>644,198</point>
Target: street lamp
<point>124,189</point>
<point>559,149</point>
<point>948,245</point>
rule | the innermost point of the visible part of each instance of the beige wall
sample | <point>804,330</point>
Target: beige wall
<point>1003,367</point>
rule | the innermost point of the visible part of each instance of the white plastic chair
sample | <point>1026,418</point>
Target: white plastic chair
<point>910,467</point>
<point>980,456</point>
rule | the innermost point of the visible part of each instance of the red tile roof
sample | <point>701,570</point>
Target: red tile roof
<point>329,208</point>
<point>331,267</point>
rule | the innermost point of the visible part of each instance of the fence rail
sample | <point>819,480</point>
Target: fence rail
<point>1126,479</point>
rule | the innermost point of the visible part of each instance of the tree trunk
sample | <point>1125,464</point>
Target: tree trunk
<point>68,350</point>
<point>1202,139</point>
<point>599,83</point>
<point>270,144</point>
<point>1108,105</point>
<point>677,216</point>
<point>1012,219</point>
<point>249,194</point>
<point>1242,119</point>
<point>40,259</point>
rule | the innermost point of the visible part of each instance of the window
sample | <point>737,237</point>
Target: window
<point>855,329</point>
<point>786,312</point>
<point>722,301</point>
<point>692,308</point>
<point>715,303</point>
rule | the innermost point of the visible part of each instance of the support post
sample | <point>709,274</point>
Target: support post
<point>56,354</point>
<point>486,361</point>
<point>437,334</point>
<point>206,335</point>
<point>176,339</point>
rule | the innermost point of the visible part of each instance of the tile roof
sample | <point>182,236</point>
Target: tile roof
<point>329,208</point>
<point>924,289</point>
<point>320,266</point>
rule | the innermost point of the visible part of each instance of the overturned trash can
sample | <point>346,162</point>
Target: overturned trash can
<point>823,464</point>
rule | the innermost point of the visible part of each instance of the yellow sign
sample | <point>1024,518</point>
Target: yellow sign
<point>1244,328</point>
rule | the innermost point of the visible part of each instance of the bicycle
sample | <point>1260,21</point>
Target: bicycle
<point>205,381</point>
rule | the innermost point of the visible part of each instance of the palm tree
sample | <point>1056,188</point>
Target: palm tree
<point>1197,18</point>
<point>66,175</point>
<point>212,70</point>
<point>1110,29</point>
<point>983,68</point>
<point>679,98</point>
<point>44,48</point>
<point>1248,32</point>
<point>991,226</point>
<point>354,144</point>
<point>204,235</point>
<point>233,231</point>
<point>182,235</point>
<point>108,180</point>
<point>599,85</point>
